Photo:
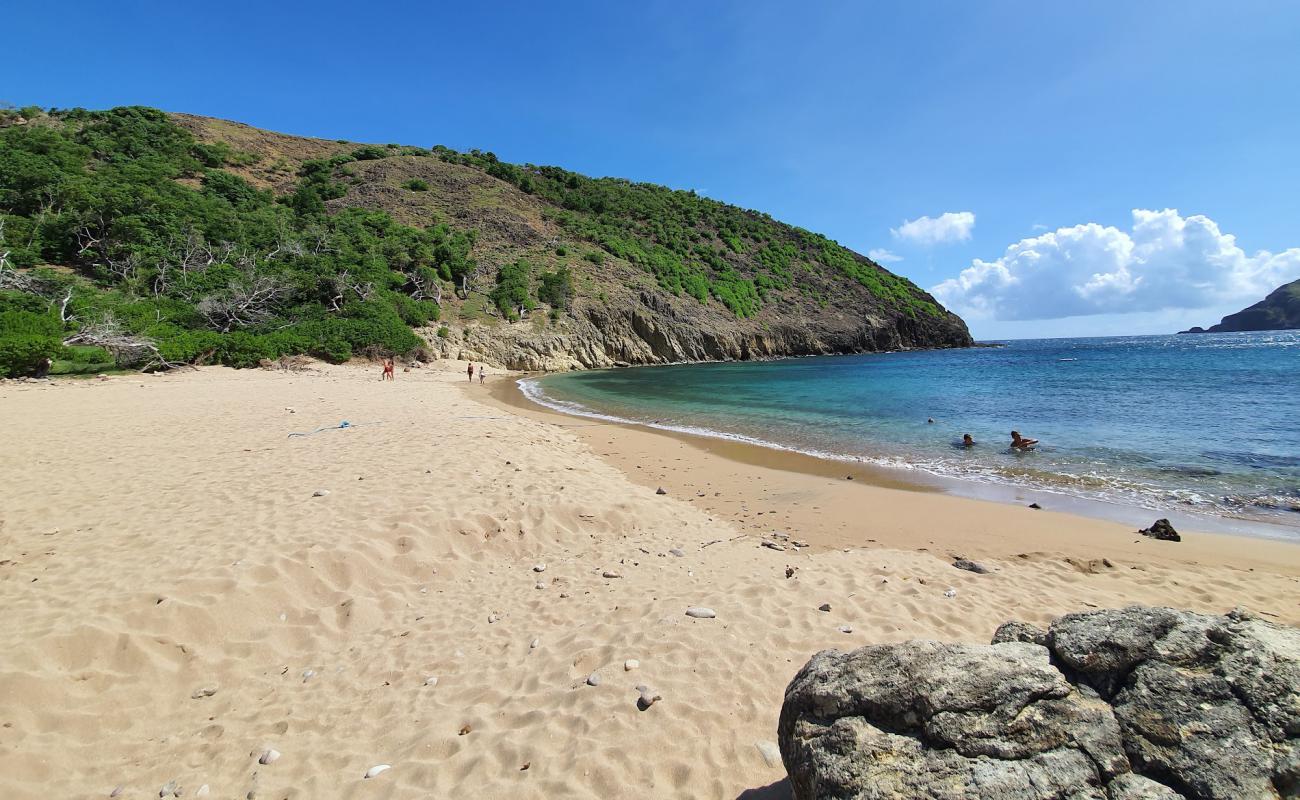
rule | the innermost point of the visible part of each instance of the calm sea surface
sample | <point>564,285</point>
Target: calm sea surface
<point>1201,423</point>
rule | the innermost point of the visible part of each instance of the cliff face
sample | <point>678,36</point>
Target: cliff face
<point>1278,312</point>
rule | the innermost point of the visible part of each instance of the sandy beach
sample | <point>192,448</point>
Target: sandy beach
<point>184,587</point>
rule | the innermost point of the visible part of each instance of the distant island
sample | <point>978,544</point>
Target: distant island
<point>1280,311</point>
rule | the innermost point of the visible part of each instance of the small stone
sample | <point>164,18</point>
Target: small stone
<point>971,566</point>
<point>117,790</point>
<point>1035,506</point>
<point>308,674</point>
<point>539,568</point>
<point>526,765</point>
<point>677,551</point>
<point>464,730</point>
<point>848,477</point>
<point>1162,530</point>
<point>609,573</point>
<point>203,791</point>
<point>770,752</point>
<point>320,493</point>
<point>660,490</point>
<point>845,629</point>
<point>269,756</point>
<point>824,607</point>
<point>647,697</point>
<point>950,593</point>
<point>539,585</point>
<point>534,644</point>
<point>700,612</point>
<point>206,691</point>
<point>789,571</point>
<point>168,788</point>
<point>377,770</point>
<point>593,679</point>
<point>432,680</point>
<point>631,664</point>
<point>493,617</point>
<point>773,546</point>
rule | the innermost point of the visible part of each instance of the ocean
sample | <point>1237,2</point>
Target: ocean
<point>1204,424</point>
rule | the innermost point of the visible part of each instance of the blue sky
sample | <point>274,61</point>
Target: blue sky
<point>1043,122</point>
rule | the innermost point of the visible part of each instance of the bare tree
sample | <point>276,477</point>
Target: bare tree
<point>245,304</point>
<point>127,349</point>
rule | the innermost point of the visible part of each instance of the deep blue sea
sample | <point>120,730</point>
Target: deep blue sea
<point>1201,423</point>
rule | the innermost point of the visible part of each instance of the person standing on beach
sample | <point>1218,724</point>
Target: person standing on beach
<point>481,373</point>
<point>388,370</point>
<point>471,372</point>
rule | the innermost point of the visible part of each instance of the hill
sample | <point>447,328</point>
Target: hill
<point>159,239</point>
<point>1280,311</point>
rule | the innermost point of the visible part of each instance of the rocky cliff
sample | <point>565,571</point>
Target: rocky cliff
<point>1279,311</point>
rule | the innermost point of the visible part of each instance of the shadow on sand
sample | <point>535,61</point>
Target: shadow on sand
<point>773,791</point>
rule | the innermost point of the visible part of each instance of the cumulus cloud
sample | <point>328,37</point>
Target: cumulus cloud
<point>948,227</point>
<point>1166,261</point>
<point>882,256</point>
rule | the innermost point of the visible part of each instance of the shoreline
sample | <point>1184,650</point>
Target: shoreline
<point>918,479</point>
<point>825,508</point>
<point>471,592</point>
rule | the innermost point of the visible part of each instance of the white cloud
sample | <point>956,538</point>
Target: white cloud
<point>948,227</point>
<point>882,256</point>
<point>1166,261</point>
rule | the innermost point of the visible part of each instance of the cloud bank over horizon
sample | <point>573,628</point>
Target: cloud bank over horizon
<point>947,228</point>
<point>1166,261</point>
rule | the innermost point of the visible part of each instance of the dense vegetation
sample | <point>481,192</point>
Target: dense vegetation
<point>694,245</point>
<point>166,258</point>
<point>125,239</point>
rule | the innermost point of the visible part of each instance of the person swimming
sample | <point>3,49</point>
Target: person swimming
<point>1019,442</point>
<point>967,441</point>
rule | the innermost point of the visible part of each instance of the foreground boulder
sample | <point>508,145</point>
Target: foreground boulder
<point>1112,705</point>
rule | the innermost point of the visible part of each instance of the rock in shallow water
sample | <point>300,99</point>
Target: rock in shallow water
<point>1199,707</point>
<point>1162,530</point>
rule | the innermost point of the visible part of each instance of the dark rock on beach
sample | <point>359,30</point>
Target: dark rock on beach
<point>1162,530</point>
<point>1132,704</point>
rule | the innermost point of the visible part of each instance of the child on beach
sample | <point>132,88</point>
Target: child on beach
<point>388,370</point>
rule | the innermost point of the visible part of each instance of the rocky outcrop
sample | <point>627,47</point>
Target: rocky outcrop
<point>1112,705</point>
<point>1277,312</point>
<point>653,328</point>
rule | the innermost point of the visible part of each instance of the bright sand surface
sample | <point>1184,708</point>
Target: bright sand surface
<point>159,538</point>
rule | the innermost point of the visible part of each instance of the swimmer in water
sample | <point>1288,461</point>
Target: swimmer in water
<point>967,441</point>
<point>1019,442</point>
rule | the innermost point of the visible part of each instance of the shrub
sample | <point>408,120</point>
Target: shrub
<point>595,257</point>
<point>556,288</point>
<point>26,339</point>
<point>369,152</point>
<point>561,251</point>
<point>511,292</point>
<point>444,332</point>
<point>416,185</point>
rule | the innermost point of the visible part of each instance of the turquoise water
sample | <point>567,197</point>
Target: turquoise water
<point>1201,423</point>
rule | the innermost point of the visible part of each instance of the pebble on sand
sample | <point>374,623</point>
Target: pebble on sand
<point>539,585</point>
<point>432,680</point>
<point>203,791</point>
<point>117,790</point>
<point>950,593</point>
<point>534,644</point>
<point>168,788</point>
<point>824,607</point>
<point>269,756</point>
<point>846,629</point>
<point>631,664</point>
<point>593,679</point>
<point>647,697</point>
<point>677,551</point>
<point>206,691</point>
<point>700,612</point>
<point>539,568</point>
<point>660,490</point>
<point>377,769</point>
<point>320,493</point>
<point>609,573</point>
<point>770,752</point>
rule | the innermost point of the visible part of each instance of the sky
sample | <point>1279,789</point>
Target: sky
<point>1046,169</point>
